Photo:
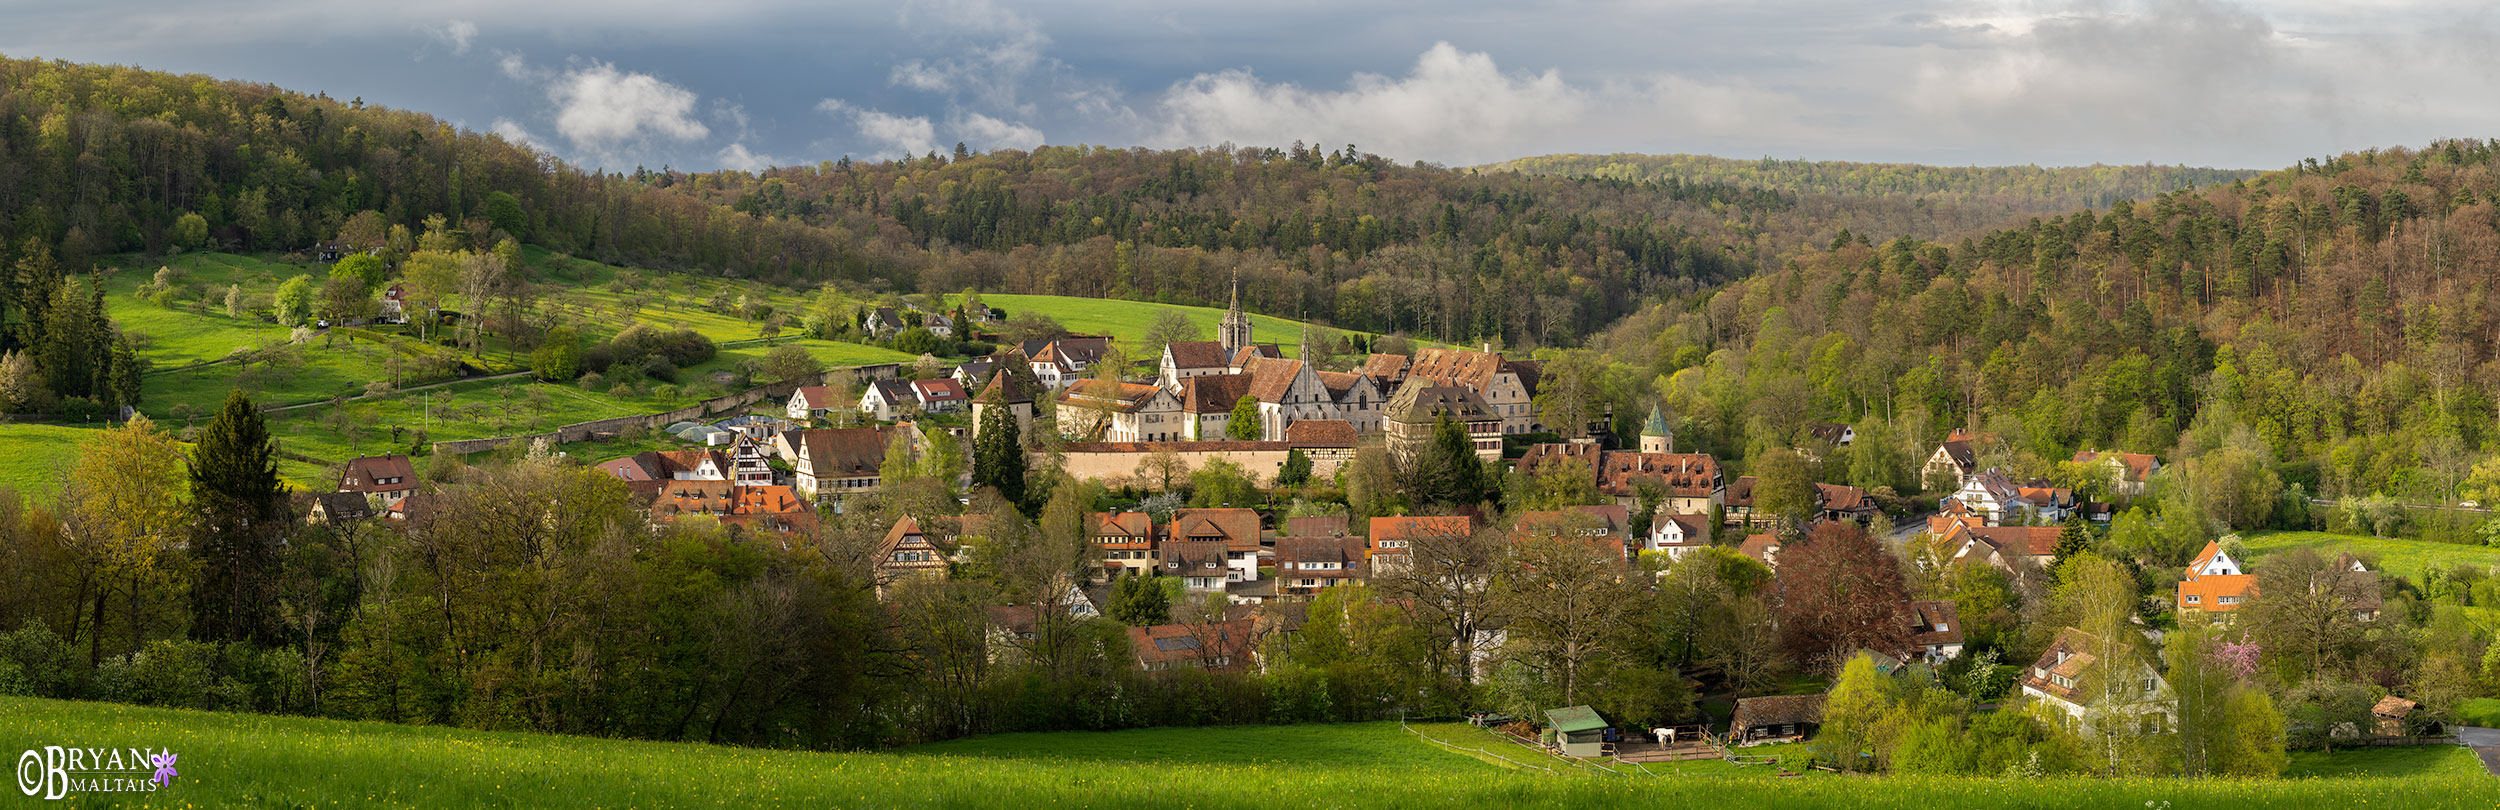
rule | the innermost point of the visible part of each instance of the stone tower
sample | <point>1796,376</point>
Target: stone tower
<point>1234,332</point>
<point>1656,437</point>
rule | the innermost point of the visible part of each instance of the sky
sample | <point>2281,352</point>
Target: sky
<point>746,84</point>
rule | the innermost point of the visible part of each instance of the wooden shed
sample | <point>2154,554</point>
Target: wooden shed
<point>1776,718</point>
<point>2390,713</point>
<point>1578,731</point>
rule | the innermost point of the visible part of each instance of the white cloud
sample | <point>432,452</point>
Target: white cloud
<point>512,131</point>
<point>457,34</point>
<point>737,156</point>
<point>1452,106</point>
<point>918,75</point>
<point>599,108</point>
<point>984,132</point>
<point>518,69</point>
<point>909,136</point>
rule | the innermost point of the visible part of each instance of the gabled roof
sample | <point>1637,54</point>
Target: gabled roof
<point>369,469</point>
<point>1621,472</point>
<point>1214,393</point>
<point>1574,718</point>
<point>1316,432</point>
<point>1238,529</point>
<point>1182,558</point>
<point>342,505</point>
<point>1105,395</point>
<point>1122,524</point>
<point>1695,527</point>
<point>1346,551</point>
<point>1339,383</point>
<point>1383,366</point>
<point>1827,432</point>
<point>1271,379</point>
<point>892,391</point>
<point>841,452</point>
<point>1409,527</point>
<point>1256,350</point>
<point>2393,707</point>
<point>1196,354</point>
<point>1230,641</point>
<point>939,389</point>
<point>1073,351</point>
<point>816,396</point>
<point>1762,547</point>
<point>1420,404</point>
<point>1005,388</point>
<point>2013,541</point>
<point>1925,618</point>
<point>1842,498</point>
<point>1466,368</point>
<point>1776,710</point>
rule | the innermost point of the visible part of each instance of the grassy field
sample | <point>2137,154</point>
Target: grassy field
<point>1129,320</point>
<point>2395,761</point>
<point>231,760</point>
<point>2405,558</point>
<point>37,456</point>
<point>2483,712</point>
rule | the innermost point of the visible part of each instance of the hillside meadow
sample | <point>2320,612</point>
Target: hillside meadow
<point>2396,555</point>
<point>232,760</point>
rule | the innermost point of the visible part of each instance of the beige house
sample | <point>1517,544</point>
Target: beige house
<point>1101,410</point>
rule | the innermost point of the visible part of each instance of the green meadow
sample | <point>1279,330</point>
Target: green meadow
<point>238,760</point>
<point>2398,556</point>
<point>1128,321</point>
<point>35,457</point>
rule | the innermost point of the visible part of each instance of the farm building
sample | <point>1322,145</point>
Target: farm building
<point>1578,731</point>
<point>1775,719</point>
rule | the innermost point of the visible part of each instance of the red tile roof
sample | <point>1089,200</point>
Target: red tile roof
<point>1237,528</point>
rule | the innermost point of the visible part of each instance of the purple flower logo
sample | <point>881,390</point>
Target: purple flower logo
<point>164,768</point>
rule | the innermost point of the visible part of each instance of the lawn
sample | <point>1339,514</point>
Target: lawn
<point>229,760</point>
<point>2401,761</point>
<point>38,456</point>
<point>2404,558</point>
<point>192,331</point>
<point>1129,320</point>
<point>2484,712</point>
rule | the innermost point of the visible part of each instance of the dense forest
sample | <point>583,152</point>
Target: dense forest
<point>98,160</point>
<point>1983,189</point>
<point>2336,317</point>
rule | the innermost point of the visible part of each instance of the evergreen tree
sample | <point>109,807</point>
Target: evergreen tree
<point>2072,540</point>
<point>998,455</point>
<point>239,514</point>
<point>1140,602</point>
<point>1297,469</point>
<point>1447,470</point>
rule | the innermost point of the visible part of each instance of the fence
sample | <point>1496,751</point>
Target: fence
<point>582,431</point>
<point>1461,748</point>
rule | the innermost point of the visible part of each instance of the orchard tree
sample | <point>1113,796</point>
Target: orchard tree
<point>791,361</point>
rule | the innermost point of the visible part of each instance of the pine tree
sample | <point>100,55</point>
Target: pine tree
<point>239,509</point>
<point>998,454</point>
<point>2072,540</point>
<point>1447,471</point>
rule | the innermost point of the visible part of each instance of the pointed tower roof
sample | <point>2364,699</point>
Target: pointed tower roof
<point>1657,424</point>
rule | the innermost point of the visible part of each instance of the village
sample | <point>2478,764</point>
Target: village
<point>1230,586</point>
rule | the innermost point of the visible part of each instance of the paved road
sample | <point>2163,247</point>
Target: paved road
<point>2486,744</point>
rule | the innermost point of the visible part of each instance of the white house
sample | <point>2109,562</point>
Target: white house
<point>1677,534</point>
<point>2071,677</point>
<point>940,395</point>
<point>939,325</point>
<point>887,400</point>
<point>813,402</point>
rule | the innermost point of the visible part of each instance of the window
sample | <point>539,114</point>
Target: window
<point>2194,599</point>
<point>2229,600</point>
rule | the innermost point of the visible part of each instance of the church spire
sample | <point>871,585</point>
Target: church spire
<point>1234,332</point>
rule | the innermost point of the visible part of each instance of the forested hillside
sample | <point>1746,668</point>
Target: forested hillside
<point>1980,191</point>
<point>99,160</point>
<point>2332,325</point>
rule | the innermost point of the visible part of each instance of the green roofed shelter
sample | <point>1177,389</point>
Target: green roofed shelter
<point>1578,731</point>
